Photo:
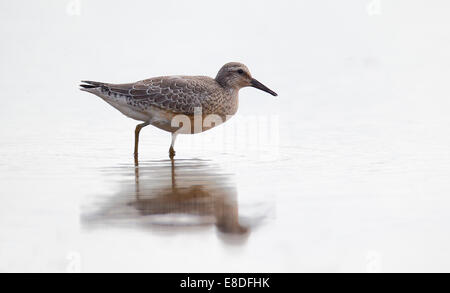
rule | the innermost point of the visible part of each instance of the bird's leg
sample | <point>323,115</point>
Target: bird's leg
<point>136,137</point>
<point>171,149</point>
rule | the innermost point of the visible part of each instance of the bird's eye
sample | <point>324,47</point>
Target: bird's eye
<point>240,71</point>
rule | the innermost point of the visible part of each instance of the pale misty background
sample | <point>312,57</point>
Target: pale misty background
<point>354,175</point>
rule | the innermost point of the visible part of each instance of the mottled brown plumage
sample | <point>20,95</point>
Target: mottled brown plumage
<point>158,100</point>
<point>178,94</point>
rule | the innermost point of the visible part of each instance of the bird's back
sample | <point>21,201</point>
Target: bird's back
<point>177,94</point>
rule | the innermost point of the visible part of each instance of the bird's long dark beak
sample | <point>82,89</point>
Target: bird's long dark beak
<point>258,85</point>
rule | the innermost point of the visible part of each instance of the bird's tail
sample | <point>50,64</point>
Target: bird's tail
<point>88,84</point>
<point>93,87</point>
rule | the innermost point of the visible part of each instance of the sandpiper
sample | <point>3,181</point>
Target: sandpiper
<point>174,103</point>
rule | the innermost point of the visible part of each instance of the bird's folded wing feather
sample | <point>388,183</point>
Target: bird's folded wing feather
<point>177,94</point>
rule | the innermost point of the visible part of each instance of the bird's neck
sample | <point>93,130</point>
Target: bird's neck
<point>234,101</point>
<point>223,82</point>
<point>220,79</point>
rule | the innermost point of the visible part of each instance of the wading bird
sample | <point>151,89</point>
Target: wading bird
<point>173,103</point>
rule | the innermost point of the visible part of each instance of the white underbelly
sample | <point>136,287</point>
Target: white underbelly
<point>120,103</point>
<point>165,120</point>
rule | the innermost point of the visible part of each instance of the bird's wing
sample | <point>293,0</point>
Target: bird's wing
<point>177,94</point>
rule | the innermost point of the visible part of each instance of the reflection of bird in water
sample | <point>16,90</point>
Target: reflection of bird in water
<point>181,193</point>
<point>198,194</point>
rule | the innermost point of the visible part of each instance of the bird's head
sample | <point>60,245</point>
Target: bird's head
<point>236,75</point>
